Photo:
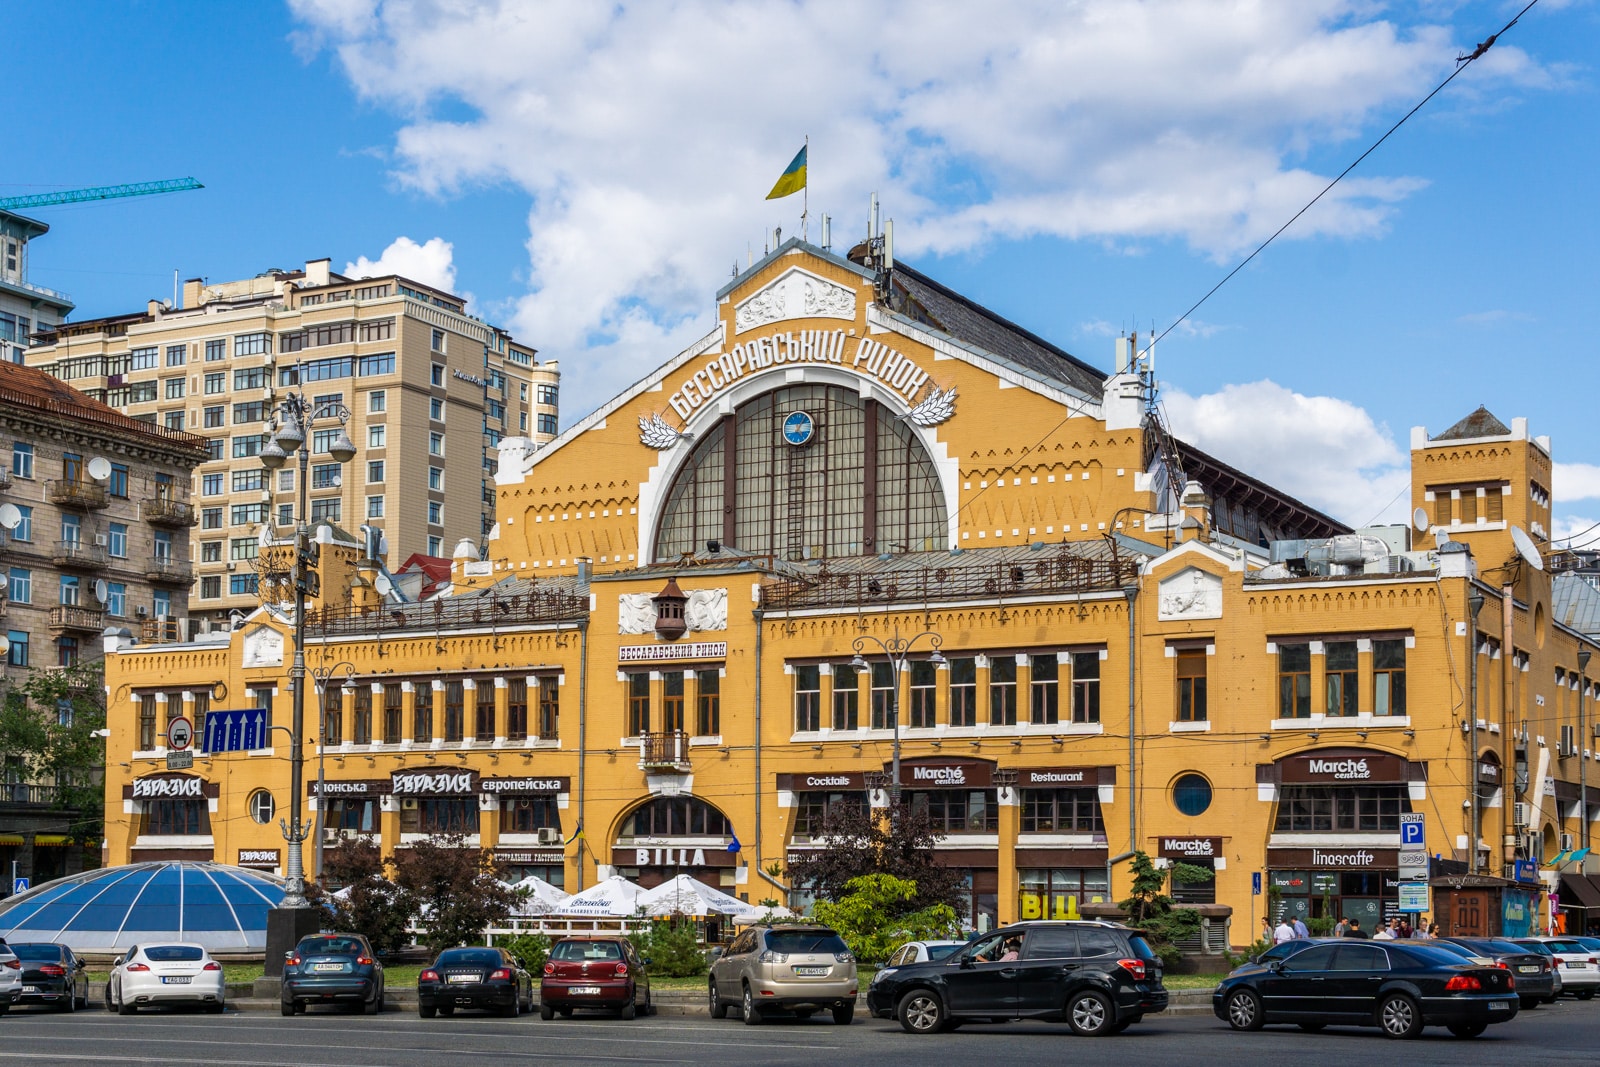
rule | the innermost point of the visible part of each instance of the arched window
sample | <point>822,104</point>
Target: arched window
<point>676,817</point>
<point>859,482</point>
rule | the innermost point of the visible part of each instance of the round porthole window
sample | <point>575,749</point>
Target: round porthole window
<point>1191,794</point>
<point>262,806</point>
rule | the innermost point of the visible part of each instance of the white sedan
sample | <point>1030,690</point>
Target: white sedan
<point>171,972</point>
<point>10,978</point>
<point>922,952</point>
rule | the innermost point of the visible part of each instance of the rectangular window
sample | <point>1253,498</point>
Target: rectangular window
<point>422,715</point>
<point>638,704</point>
<point>672,701</point>
<point>1086,687</point>
<point>22,459</point>
<point>248,445</point>
<point>436,409</point>
<point>529,815</point>
<point>216,383</point>
<point>175,388</point>
<point>517,709</point>
<point>329,510</point>
<point>141,392</point>
<point>375,470</point>
<point>374,507</point>
<point>846,698</point>
<point>435,512</point>
<point>483,718</point>
<point>807,698</point>
<point>1192,685</point>
<point>326,475</point>
<point>447,815</point>
<point>438,340</point>
<point>333,715</point>
<point>1469,506</point>
<point>882,693</point>
<point>322,440</point>
<point>327,370</point>
<point>24,529</point>
<point>1494,507</point>
<point>243,548</point>
<point>351,813</point>
<point>1294,681</point>
<point>147,722</point>
<point>958,811</point>
<point>71,590</point>
<point>963,691</point>
<point>435,546</point>
<point>454,711</point>
<point>924,688</point>
<point>289,375</point>
<point>286,481</point>
<point>211,587</point>
<point>162,545</point>
<point>210,551</point>
<point>368,366</point>
<point>116,599</point>
<point>20,589</point>
<point>215,447</point>
<point>1061,811</point>
<point>245,481</point>
<point>1044,687</point>
<point>176,355</point>
<point>292,342</point>
<point>376,435</point>
<point>1003,690</point>
<point>549,707</point>
<point>216,350</point>
<point>548,395</point>
<point>250,378</point>
<point>547,423</point>
<point>252,344</point>
<point>436,375</point>
<point>377,402</point>
<point>393,696</point>
<point>144,358</point>
<point>71,530</point>
<point>1389,677</point>
<point>251,412</point>
<point>1341,808</point>
<point>436,444</point>
<point>215,417</point>
<point>249,514</point>
<point>708,703</point>
<point>436,478</point>
<point>1340,674</point>
<point>382,329</point>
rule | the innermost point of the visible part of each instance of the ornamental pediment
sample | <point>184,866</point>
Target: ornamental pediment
<point>795,294</point>
<point>1191,594</point>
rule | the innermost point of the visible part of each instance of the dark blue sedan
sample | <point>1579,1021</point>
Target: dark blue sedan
<point>1397,986</point>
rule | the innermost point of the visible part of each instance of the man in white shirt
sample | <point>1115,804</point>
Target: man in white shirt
<point>1283,932</point>
<point>1385,933</point>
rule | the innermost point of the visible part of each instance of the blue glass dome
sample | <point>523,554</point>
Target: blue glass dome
<point>107,910</point>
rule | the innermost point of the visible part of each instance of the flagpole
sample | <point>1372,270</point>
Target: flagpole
<point>805,198</point>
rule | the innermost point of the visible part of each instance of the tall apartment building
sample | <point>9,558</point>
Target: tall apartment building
<point>24,307</point>
<point>430,390</point>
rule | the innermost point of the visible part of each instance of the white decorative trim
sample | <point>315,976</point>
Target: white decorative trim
<point>794,294</point>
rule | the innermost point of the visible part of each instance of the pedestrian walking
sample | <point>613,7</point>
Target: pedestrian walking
<point>1356,931</point>
<point>1342,928</point>
<point>1283,932</point>
<point>1300,928</point>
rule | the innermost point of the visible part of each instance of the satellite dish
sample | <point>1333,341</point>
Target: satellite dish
<point>1526,548</point>
<point>264,535</point>
<point>10,516</point>
<point>100,590</point>
<point>5,646</point>
<point>1441,537</point>
<point>99,468</point>
<point>383,585</point>
<point>1419,518</point>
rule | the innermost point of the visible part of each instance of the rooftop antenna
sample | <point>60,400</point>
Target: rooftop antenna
<point>888,246</point>
<point>872,219</point>
<point>827,231</point>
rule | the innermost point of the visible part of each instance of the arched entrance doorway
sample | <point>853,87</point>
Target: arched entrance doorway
<point>667,836</point>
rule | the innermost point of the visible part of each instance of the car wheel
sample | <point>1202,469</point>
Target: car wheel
<point>71,1003</point>
<point>125,1008</point>
<point>748,1009</point>
<point>426,1012</point>
<point>1312,1027</point>
<point>1399,1017</point>
<point>286,1007</point>
<point>512,1010</point>
<point>215,1009</point>
<point>1468,1029</point>
<point>546,1012</point>
<point>921,1012</point>
<point>109,1006</point>
<point>1587,994</point>
<point>447,1010</point>
<point>374,1006</point>
<point>1529,1003</point>
<point>843,1015</point>
<point>1090,1014</point>
<point>1244,1010</point>
<point>299,1007</point>
<point>719,1010</point>
<point>629,1010</point>
<point>566,1013</point>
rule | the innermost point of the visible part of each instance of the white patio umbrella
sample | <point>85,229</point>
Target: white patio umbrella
<point>539,896</point>
<point>684,895</point>
<point>616,897</point>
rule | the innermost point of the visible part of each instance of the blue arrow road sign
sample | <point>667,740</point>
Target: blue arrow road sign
<point>1411,830</point>
<point>237,730</point>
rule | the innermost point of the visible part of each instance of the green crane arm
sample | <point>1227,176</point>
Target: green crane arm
<point>103,192</point>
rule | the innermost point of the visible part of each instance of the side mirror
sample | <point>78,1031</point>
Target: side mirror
<point>646,961</point>
<point>1277,965</point>
<point>117,962</point>
<point>289,955</point>
<point>966,962</point>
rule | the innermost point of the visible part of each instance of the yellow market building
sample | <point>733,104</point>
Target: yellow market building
<point>654,671</point>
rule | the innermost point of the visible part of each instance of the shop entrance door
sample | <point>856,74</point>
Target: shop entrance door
<point>1469,914</point>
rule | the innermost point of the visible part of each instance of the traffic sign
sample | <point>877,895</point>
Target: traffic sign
<point>20,885</point>
<point>1412,830</point>
<point>180,733</point>
<point>237,730</point>
<point>180,761</point>
<point>1413,864</point>
<point>1255,883</point>
<point>1413,896</point>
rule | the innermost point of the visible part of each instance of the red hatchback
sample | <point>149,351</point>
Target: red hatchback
<point>605,973</point>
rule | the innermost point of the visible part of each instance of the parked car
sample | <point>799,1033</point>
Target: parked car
<point>1536,972</point>
<point>922,952</point>
<point>799,969</point>
<point>606,973</point>
<point>485,978</point>
<point>52,974</point>
<point>10,978</point>
<point>1099,978</point>
<point>1281,951</point>
<point>1580,965</point>
<point>165,972</point>
<point>332,969</point>
<point>1397,986</point>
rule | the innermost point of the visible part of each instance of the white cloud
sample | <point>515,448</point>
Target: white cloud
<point>1326,451</point>
<point>1568,527</point>
<point>1575,481</point>
<point>431,263</point>
<point>646,135</point>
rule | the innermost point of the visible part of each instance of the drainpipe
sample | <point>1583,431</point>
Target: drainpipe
<point>583,731</point>
<point>1583,764</point>
<point>1131,591</point>
<point>760,630</point>
<point>1474,605</point>
<point>1508,705</point>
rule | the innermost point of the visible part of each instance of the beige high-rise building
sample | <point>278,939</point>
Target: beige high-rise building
<point>430,391</point>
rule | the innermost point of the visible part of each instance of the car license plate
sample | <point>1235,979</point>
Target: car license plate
<point>175,980</point>
<point>1498,1006</point>
<point>327,967</point>
<point>1576,966</point>
<point>1527,970</point>
<point>463,978</point>
<point>811,972</point>
<point>585,990</point>
<point>30,989</point>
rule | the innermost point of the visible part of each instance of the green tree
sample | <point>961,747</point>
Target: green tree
<point>531,949</point>
<point>374,905</point>
<point>48,725</point>
<point>899,842</point>
<point>457,890</point>
<point>672,947</point>
<point>873,917</point>
<point>1151,910</point>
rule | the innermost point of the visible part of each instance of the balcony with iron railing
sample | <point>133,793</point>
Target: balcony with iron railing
<point>5,479</point>
<point>75,617</point>
<point>163,630</point>
<point>165,511</point>
<point>79,554</point>
<point>39,796</point>
<point>168,569</point>
<point>667,750</point>
<point>76,493</point>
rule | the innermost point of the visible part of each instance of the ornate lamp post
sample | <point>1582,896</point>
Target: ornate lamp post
<point>897,650</point>
<point>292,428</point>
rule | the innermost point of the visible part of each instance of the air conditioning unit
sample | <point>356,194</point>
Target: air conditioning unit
<point>1520,814</point>
<point>1567,842</point>
<point>232,566</point>
<point>141,611</point>
<point>408,803</point>
<point>101,540</point>
<point>549,835</point>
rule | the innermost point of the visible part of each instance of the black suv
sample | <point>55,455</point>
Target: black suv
<point>1099,978</point>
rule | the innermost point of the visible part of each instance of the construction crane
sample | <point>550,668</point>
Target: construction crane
<point>102,192</point>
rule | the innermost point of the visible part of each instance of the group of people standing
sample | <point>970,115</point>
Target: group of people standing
<point>1288,929</point>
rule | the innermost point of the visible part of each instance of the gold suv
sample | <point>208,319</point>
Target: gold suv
<point>796,969</point>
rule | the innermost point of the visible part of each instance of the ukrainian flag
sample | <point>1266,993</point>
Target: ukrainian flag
<point>793,179</point>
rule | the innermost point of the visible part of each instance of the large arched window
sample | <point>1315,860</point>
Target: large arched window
<point>676,817</point>
<point>859,484</point>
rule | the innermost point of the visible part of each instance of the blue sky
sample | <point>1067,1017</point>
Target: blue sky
<point>1082,168</point>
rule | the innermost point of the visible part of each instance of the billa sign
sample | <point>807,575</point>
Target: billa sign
<point>672,857</point>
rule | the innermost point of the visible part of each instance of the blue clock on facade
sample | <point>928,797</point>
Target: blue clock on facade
<point>798,428</point>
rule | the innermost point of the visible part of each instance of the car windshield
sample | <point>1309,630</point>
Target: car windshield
<point>331,946</point>
<point>36,952</point>
<point>939,952</point>
<point>800,941</point>
<point>586,950</point>
<point>1431,954</point>
<point>1458,949</point>
<point>1141,948</point>
<point>1535,946</point>
<point>1566,946</point>
<point>1498,947</point>
<point>469,955</point>
<point>174,953</point>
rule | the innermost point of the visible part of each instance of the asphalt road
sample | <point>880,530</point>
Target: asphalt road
<point>1568,1032</point>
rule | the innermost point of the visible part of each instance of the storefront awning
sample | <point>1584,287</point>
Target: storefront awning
<point>1580,890</point>
<point>10,839</point>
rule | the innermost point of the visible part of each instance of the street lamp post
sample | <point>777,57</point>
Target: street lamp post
<point>897,650</point>
<point>321,676</point>
<point>292,429</point>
